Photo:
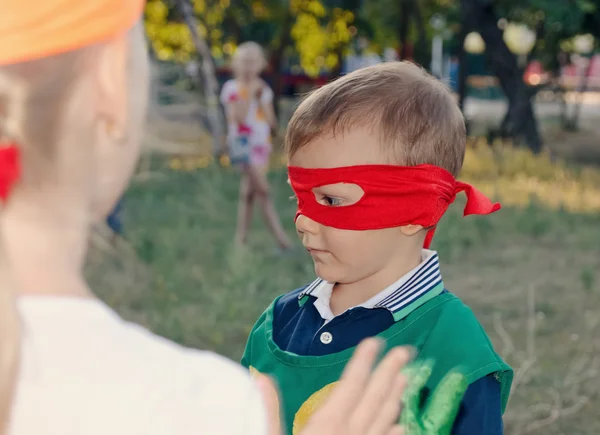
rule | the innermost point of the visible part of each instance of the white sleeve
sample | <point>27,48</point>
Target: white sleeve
<point>228,92</point>
<point>220,398</point>
<point>267,95</point>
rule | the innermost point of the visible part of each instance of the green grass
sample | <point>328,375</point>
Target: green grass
<point>530,273</point>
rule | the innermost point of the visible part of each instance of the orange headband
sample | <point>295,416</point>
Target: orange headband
<point>31,29</point>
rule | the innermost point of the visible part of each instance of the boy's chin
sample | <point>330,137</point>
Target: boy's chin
<point>328,273</point>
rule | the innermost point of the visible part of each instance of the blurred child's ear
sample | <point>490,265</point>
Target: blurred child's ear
<point>112,85</point>
<point>411,230</point>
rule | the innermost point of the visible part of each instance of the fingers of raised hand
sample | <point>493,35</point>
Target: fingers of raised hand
<point>384,391</point>
<point>387,420</point>
<point>365,402</point>
<point>355,379</point>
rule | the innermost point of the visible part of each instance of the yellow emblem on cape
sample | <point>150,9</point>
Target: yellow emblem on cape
<point>308,408</point>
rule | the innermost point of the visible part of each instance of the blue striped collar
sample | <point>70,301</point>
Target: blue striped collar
<point>403,296</point>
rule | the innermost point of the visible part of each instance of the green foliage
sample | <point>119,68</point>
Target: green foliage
<point>318,32</point>
<point>380,22</point>
<point>381,19</point>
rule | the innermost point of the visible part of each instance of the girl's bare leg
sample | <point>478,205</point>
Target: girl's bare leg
<point>245,208</point>
<point>260,187</point>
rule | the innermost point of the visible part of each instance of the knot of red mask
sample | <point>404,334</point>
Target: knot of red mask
<point>10,169</point>
<point>394,196</point>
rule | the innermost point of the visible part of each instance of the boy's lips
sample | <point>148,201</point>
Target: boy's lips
<point>315,251</point>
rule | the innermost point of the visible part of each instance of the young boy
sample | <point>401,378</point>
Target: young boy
<point>373,158</point>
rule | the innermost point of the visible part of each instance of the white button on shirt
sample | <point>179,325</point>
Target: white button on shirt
<point>326,337</point>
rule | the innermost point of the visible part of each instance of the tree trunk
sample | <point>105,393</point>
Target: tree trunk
<point>209,78</point>
<point>421,52</point>
<point>519,120</point>
<point>463,73</point>
<point>560,89</point>
<point>403,27</point>
<point>285,39</point>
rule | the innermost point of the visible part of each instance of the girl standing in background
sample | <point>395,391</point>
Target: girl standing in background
<point>248,103</point>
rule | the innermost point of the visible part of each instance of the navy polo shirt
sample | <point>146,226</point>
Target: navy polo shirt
<point>303,324</point>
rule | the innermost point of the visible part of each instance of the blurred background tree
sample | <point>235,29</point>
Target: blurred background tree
<point>314,32</point>
<point>314,37</point>
<point>558,26</point>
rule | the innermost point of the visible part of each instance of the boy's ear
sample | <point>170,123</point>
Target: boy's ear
<point>411,230</point>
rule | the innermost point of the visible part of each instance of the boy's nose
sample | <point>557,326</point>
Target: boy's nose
<point>305,224</point>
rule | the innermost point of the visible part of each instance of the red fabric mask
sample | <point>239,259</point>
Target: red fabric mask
<point>10,169</point>
<point>394,196</point>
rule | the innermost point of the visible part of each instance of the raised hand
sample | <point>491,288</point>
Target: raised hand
<point>364,402</point>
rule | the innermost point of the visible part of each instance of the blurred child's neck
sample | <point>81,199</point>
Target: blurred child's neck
<point>247,79</point>
<point>44,243</point>
<point>351,294</point>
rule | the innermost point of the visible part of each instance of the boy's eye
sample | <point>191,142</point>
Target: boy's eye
<point>332,201</point>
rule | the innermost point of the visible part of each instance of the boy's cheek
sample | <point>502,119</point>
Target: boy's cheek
<point>346,242</point>
<point>362,251</point>
<point>347,247</point>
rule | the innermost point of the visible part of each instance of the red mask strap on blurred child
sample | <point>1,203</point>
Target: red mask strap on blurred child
<point>394,196</point>
<point>10,169</point>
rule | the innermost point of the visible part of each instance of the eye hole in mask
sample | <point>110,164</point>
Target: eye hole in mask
<point>338,194</point>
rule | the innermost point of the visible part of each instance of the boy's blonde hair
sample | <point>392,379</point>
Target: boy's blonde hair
<point>415,115</point>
